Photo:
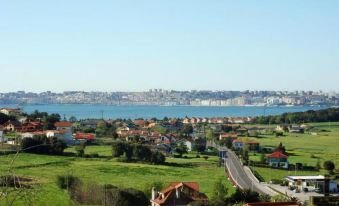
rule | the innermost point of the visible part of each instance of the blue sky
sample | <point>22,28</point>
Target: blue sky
<point>170,44</point>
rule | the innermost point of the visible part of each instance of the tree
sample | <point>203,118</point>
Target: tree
<point>72,119</point>
<point>199,148</point>
<point>187,129</point>
<point>262,158</point>
<point>50,120</point>
<point>281,148</point>
<point>118,149</point>
<point>157,158</point>
<point>210,134</point>
<point>181,149</point>
<point>80,149</point>
<point>220,193</point>
<point>329,166</point>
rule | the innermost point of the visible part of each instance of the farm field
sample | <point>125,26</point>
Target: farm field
<point>304,148</point>
<point>45,169</point>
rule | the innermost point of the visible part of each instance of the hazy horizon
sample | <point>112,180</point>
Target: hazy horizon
<point>174,45</point>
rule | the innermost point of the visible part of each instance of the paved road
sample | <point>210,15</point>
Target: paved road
<point>241,175</point>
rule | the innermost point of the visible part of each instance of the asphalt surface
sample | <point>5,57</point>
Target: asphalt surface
<point>243,178</point>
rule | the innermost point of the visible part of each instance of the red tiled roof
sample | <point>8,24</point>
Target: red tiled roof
<point>169,194</point>
<point>63,124</point>
<point>277,154</point>
<point>238,140</point>
<point>87,136</point>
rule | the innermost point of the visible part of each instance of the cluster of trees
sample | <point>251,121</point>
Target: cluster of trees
<point>137,152</point>
<point>105,129</point>
<point>48,119</point>
<point>222,198</point>
<point>43,145</point>
<point>324,115</point>
<point>91,193</point>
<point>4,118</point>
<point>329,166</point>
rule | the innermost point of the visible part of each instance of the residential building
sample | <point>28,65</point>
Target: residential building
<point>312,183</point>
<point>12,126</point>
<point>84,137</point>
<point>277,159</point>
<point>239,144</point>
<point>2,137</point>
<point>64,131</point>
<point>10,111</point>
<point>179,194</point>
<point>224,136</point>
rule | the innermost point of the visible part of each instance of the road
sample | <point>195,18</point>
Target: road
<point>241,176</point>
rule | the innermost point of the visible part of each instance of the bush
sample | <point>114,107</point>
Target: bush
<point>277,181</point>
<point>67,181</point>
<point>94,155</point>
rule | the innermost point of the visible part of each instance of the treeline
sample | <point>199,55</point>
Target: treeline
<point>43,145</point>
<point>324,115</point>
<point>136,152</point>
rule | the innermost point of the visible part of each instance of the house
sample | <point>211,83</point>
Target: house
<point>32,126</point>
<point>242,131</point>
<point>84,137</point>
<point>63,125</point>
<point>122,131</point>
<point>189,144</point>
<point>32,134</point>
<point>282,128</point>
<point>63,131</point>
<point>92,124</point>
<point>277,159</point>
<point>254,131</point>
<point>312,183</point>
<point>140,122</point>
<point>12,126</point>
<point>239,144</point>
<point>295,129</point>
<point>2,137</point>
<point>224,136</point>
<point>186,121</point>
<point>10,111</point>
<point>179,194</point>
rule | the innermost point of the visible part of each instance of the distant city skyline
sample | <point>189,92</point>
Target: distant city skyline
<point>173,45</point>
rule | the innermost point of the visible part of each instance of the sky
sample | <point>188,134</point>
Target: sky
<point>138,45</point>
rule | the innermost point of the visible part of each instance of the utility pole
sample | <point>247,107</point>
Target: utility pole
<point>102,114</point>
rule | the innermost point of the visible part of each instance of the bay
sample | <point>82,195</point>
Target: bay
<point>85,111</point>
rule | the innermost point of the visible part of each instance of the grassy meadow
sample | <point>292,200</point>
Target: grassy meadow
<point>45,169</point>
<point>305,148</point>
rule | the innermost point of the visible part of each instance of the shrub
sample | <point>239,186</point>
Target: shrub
<point>68,181</point>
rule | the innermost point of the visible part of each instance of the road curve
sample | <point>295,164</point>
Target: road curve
<point>242,178</point>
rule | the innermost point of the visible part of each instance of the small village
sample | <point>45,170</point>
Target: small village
<point>177,138</point>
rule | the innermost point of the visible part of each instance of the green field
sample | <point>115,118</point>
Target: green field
<point>45,169</point>
<point>304,148</point>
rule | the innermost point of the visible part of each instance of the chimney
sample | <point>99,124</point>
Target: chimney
<point>153,193</point>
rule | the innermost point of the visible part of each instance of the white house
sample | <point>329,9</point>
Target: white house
<point>64,132</point>
<point>312,183</point>
<point>2,137</point>
<point>10,111</point>
<point>189,144</point>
